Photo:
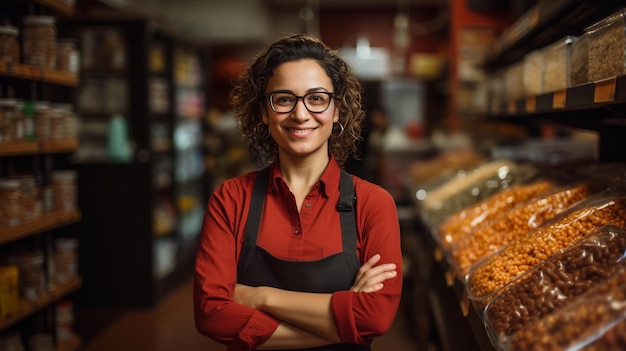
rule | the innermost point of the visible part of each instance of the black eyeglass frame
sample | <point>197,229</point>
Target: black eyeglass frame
<point>330,95</point>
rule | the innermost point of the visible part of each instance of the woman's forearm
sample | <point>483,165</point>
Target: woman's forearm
<point>287,336</point>
<point>308,311</point>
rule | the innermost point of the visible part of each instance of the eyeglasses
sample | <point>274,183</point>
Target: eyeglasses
<point>315,102</point>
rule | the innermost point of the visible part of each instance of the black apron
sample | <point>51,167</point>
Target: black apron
<point>257,267</point>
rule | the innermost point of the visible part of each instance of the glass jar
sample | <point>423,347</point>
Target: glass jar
<point>31,201</point>
<point>10,202</point>
<point>9,290</point>
<point>9,45</point>
<point>43,114</point>
<point>67,56</point>
<point>9,120</point>
<point>66,258</point>
<point>64,185</point>
<point>64,320</point>
<point>60,120</point>
<point>39,41</point>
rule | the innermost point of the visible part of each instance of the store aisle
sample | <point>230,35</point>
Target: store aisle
<point>170,327</point>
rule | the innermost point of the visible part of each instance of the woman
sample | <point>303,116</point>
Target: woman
<point>289,256</point>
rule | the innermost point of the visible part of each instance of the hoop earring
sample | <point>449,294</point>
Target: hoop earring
<point>262,130</point>
<point>340,133</point>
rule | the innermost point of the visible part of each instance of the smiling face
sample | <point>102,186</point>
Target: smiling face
<point>301,133</point>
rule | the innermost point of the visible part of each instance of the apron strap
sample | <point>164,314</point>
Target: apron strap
<point>254,219</point>
<point>346,211</point>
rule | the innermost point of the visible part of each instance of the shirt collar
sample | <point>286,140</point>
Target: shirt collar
<point>328,180</point>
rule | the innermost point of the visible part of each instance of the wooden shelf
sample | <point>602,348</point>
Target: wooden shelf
<point>38,74</point>
<point>545,23</point>
<point>587,97</point>
<point>28,307</point>
<point>45,223</point>
<point>19,148</point>
<point>73,344</point>
<point>34,148</point>
<point>59,6</point>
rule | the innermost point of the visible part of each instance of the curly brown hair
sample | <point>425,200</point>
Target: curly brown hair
<point>247,97</point>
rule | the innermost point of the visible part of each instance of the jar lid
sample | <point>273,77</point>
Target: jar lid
<point>41,105</point>
<point>64,175</point>
<point>8,102</point>
<point>45,20</point>
<point>10,30</point>
<point>66,41</point>
<point>9,183</point>
<point>66,243</point>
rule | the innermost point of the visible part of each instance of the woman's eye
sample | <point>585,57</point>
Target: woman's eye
<point>317,98</point>
<point>284,99</point>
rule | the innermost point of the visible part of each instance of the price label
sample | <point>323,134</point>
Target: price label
<point>531,104</point>
<point>604,91</point>
<point>438,254</point>
<point>450,277</point>
<point>464,304</point>
<point>559,98</point>
<point>511,107</point>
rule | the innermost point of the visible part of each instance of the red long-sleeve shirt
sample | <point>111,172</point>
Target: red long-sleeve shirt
<point>312,234</point>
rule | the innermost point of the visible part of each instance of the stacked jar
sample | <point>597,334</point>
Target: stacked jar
<point>67,56</point>
<point>9,45</point>
<point>62,122</point>
<point>9,290</point>
<point>64,185</point>
<point>64,320</point>
<point>39,41</point>
<point>31,273</point>
<point>11,126</point>
<point>66,258</point>
<point>11,207</point>
<point>43,115</point>
<point>31,200</point>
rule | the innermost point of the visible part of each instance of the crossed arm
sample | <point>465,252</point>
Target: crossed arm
<point>307,318</point>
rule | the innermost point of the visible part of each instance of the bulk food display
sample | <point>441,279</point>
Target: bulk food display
<point>531,247</point>
<point>595,321</point>
<point>469,187</point>
<point>513,224</point>
<point>547,240</point>
<point>556,282</point>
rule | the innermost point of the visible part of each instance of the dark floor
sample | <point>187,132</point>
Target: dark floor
<point>170,326</point>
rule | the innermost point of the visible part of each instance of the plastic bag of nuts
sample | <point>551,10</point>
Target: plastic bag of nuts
<point>554,236</point>
<point>555,283</point>
<point>513,224</point>
<point>458,225</point>
<point>596,320</point>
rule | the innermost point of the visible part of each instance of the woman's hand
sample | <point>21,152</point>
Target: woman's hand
<point>370,278</point>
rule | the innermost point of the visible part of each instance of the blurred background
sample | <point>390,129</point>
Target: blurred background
<point>115,128</point>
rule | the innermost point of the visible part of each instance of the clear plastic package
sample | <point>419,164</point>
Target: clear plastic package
<point>513,82</point>
<point>533,71</point>
<point>493,273</point>
<point>461,223</point>
<point>513,224</point>
<point>496,90</point>
<point>470,187</point>
<point>555,283</point>
<point>607,47</point>
<point>594,321</point>
<point>556,65</point>
<point>579,61</point>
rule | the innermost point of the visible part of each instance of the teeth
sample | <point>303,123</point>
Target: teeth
<point>298,130</point>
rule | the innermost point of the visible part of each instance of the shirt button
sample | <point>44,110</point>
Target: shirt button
<point>308,205</point>
<point>297,231</point>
